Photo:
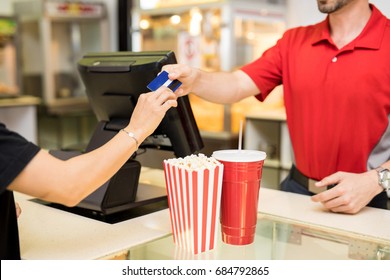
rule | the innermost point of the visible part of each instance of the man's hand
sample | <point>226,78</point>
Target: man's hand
<point>351,193</point>
<point>185,74</point>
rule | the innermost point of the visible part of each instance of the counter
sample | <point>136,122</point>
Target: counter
<point>48,233</point>
<point>19,101</point>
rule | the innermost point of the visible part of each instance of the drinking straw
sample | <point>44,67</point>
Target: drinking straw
<point>240,137</point>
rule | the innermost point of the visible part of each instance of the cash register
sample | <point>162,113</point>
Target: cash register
<point>113,82</point>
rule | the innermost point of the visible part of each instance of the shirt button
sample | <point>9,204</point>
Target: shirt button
<point>334,59</point>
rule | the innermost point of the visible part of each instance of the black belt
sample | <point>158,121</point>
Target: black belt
<point>306,182</point>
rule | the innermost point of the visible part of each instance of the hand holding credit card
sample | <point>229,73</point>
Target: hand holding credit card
<point>163,80</point>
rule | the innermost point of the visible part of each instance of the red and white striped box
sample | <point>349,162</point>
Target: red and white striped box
<point>194,186</point>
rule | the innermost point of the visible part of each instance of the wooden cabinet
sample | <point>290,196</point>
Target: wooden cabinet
<point>267,131</point>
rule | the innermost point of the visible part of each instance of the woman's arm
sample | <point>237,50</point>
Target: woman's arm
<point>68,182</point>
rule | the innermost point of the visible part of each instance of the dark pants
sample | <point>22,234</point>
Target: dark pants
<point>290,185</point>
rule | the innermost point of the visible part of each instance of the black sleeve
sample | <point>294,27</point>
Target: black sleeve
<point>15,153</point>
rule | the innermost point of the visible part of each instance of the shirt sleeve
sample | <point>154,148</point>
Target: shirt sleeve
<point>266,71</point>
<point>15,153</point>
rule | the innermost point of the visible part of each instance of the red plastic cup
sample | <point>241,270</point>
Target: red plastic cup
<point>240,194</point>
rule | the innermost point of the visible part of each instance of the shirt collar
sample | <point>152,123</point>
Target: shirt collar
<point>371,36</point>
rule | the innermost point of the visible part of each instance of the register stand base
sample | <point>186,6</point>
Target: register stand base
<point>149,199</point>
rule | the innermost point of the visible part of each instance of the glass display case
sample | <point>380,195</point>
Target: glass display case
<point>212,35</point>
<point>55,35</point>
<point>277,238</point>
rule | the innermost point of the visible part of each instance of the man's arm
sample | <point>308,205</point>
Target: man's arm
<point>352,191</point>
<point>217,87</point>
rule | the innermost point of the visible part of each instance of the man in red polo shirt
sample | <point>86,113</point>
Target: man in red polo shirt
<point>336,79</point>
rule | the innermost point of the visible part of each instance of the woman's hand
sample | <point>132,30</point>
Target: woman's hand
<point>150,110</point>
<point>18,210</point>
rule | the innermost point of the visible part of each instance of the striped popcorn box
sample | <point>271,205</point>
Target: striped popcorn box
<point>194,185</point>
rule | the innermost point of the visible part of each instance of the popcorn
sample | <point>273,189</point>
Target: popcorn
<point>194,185</point>
<point>194,162</point>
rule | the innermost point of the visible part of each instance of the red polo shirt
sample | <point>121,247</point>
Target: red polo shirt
<point>337,100</point>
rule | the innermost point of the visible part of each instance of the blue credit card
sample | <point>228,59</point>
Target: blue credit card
<point>163,80</point>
